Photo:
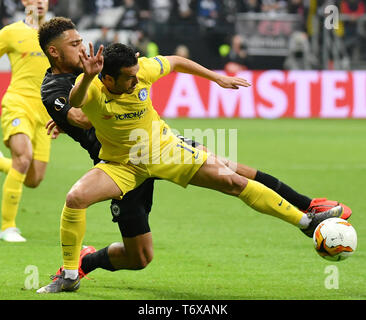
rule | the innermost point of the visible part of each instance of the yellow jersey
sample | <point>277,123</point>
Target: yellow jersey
<point>115,117</point>
<point>28,62</point>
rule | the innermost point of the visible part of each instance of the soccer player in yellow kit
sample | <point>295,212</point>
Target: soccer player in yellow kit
<point>137,144</point>
<point>23,116</point>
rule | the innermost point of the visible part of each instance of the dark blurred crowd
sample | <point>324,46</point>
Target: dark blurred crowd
<point>194,28</point>
<point>207,13</point>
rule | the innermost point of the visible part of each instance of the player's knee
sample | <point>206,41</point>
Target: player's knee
<point>142,260</point>
<point>33,179</point>
<point>141,257</point>
<point>234,184</point>
<point>34,182</point>
<point>76,199</point>
<point>22,163</point>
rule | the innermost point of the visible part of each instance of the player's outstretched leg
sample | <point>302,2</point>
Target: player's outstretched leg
<point>258,196</point>
<point>301,201</point>
<point>213,174</point>
<point>262,198</point>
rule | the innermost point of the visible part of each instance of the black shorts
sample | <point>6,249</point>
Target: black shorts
<point>132,212</point>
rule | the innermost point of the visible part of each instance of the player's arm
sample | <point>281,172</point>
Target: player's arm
<point>4,38</point>
<point>79,93</point>
<point>76,117</point>
<point>92,65</point>
<point>53,129</point>
<point>180,64</point>
<point>81,121</point>
<point>58,107</point>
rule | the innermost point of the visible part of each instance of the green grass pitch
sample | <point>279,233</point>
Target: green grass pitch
<point>209,246</point>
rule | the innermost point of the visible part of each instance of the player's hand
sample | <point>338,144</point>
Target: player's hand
<point>53,128</point>
<point>232,82</point>
<point>92,64</point>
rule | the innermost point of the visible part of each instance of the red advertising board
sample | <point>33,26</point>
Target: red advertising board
<point>4,82</point>
<point>273,94</point>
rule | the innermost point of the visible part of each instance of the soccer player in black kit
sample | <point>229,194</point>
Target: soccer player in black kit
<point>61,43</point>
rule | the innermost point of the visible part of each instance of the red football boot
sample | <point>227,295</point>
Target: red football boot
<point>84,251</point>
<point>323,204</point>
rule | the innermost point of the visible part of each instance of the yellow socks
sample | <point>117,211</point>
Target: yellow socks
<point>265,200</point>
<point>5,164</point>
<point>73,226</point>
<point>12,191</point>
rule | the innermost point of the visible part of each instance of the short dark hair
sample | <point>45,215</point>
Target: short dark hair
<point>117,56</point>
<point>52,29</point>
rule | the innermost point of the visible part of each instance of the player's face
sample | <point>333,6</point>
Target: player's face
<point>127,80</point>
<point>69,45</point>
<point>41,5</point>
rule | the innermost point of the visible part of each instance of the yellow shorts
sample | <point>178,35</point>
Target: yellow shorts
<point>28,116</point>
<point>178,163</point>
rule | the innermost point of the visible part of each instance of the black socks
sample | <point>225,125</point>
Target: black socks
<point>300,201</point>
<point>99,259</point>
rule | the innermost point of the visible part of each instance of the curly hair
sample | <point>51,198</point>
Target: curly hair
<point>53,29</point>
<point>117,56</point>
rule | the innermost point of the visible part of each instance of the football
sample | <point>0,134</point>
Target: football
<point>335,239</point>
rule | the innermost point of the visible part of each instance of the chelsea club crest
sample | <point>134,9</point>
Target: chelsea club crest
<point>143,94</point>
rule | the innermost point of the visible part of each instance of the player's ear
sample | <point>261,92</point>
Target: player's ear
<point>108,80</point>
<point>52,51</point>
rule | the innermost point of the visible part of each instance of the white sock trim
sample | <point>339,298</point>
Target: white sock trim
<point>304,221</point>
<point>71,274</point>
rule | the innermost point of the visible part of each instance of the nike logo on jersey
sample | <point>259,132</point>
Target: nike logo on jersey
<point>108,101</point>
<point>280,204</point>
<point>21,41</point>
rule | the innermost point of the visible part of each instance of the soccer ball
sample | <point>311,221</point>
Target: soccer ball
<point>335,239</point>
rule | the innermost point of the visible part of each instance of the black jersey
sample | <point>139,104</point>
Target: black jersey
<point>55,91</point>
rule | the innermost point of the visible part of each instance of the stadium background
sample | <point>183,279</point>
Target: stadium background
<point>251,38</point>
<point>300,70</point>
